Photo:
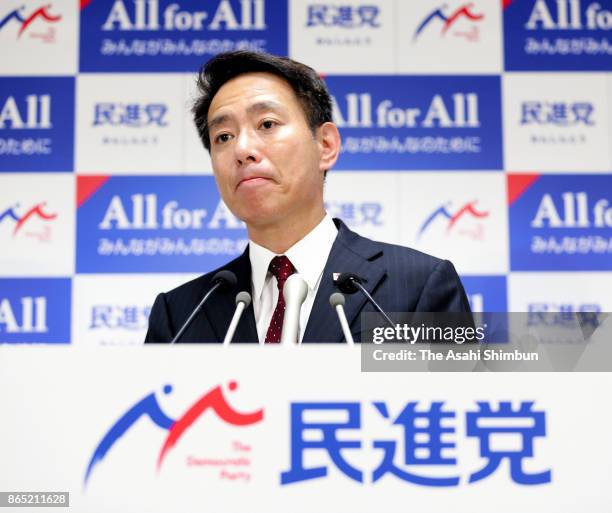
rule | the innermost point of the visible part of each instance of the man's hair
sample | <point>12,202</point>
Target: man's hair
<point>306,84</point>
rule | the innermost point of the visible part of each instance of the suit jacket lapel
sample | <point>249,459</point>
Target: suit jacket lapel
<point>221,308</point>
<point>350,253</point>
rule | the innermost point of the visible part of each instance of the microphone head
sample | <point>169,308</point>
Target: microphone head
<point>336,299</point>
<point>294,292</point>
<point>243,297</point>
<point>226,278</point>
<point>295,289</point>
<point>346,283</point>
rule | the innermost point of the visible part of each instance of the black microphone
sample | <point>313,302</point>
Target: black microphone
<point>349,283</point>
<point>222,280</point>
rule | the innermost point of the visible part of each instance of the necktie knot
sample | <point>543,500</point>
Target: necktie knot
<point>281,268</point>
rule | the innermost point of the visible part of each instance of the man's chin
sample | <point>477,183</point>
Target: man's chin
<point>261,219</point>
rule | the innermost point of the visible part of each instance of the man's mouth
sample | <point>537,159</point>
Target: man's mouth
<point>252,181</point>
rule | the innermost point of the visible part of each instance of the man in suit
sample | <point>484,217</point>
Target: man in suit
<point>267,123</point>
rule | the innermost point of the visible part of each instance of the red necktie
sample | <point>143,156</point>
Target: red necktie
<point>281,268</point>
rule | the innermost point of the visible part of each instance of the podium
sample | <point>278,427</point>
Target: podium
<point>302,429</point>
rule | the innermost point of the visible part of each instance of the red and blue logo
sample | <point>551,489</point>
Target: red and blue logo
<point>451,217</point>
<point>23,219</point>
<point>439,17</point>
<point>148,406</point>
<point>25,21</point>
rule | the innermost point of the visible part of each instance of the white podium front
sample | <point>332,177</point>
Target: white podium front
<point>275,429</point>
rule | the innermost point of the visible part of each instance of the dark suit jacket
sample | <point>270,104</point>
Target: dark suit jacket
<point>400,279</point>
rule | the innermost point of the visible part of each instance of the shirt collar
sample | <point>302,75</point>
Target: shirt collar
<point>308,256</point>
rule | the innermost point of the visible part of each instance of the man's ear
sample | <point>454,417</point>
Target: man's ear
<point>329,142</point>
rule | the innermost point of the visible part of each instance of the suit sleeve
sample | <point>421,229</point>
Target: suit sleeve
<point>443,291</point>
<point>160,326</point>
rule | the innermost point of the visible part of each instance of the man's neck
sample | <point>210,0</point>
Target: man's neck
<point>279,238</point>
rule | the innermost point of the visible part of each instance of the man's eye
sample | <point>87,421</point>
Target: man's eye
<point>221,138</point>
<point>268,123</point>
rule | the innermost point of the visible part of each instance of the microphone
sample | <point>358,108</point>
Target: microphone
<point>243,300</point>
<point>294,292</point>
<point>222,280</point>
<point>350,283</point>
<point>336,300</point>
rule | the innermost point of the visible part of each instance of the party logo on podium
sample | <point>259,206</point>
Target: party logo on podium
<point>412,455</point>
<point>149,407</point>
<point>166,35</point>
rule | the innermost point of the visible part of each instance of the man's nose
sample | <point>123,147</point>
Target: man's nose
<point>246,148</point>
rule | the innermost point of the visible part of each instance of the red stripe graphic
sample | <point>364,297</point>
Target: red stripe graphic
<point>518,184</point>
<point>87,186</point>
<point>215,400</point>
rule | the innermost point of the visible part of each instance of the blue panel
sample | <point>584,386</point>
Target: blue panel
<point>35,310</point>
<point>167,35</point>
<point>557,35</point>
<point>156,224</point>
<point>562,223</point>
<point>36,124</point>
<point>424,122</point>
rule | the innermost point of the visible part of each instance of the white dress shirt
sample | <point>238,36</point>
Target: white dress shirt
<point>308,256</point>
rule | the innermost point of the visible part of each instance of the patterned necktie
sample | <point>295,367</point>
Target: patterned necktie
<point>281,268</point>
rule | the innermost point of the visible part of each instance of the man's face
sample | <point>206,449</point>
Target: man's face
<point>266,160</point>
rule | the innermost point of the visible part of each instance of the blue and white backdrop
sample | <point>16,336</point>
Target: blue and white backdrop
<point>476,131</point>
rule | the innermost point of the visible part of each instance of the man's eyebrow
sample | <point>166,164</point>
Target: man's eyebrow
<point>256,107</point>
<point>217,120</point>
<point>265,105</point>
